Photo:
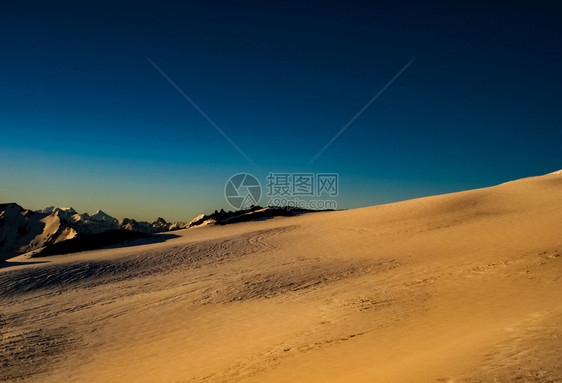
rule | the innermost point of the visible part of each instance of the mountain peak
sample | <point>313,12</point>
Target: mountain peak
<point>102,216</point>
<point>53,209</point>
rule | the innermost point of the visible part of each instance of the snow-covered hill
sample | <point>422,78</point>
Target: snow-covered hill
<point>23,231</point>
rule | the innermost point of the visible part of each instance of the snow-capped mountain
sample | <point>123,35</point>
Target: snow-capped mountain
<point>100,216</point>
<point>23,230</point>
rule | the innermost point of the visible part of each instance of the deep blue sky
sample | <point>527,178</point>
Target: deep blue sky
<point>86,121</point>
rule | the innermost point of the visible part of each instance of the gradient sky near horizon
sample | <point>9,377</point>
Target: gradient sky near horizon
<point>86,121</point>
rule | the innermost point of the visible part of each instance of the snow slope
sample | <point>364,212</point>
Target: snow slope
<point>461,288</point>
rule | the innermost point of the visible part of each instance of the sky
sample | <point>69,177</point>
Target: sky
<point>87,121</point>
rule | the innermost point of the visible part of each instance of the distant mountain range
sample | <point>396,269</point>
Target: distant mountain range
<point>56,230</point>
<point>23,231</point>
